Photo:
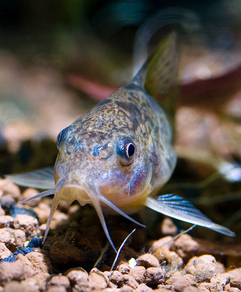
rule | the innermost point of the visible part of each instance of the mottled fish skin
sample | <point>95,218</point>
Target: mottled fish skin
<point>88,149</point>
<point>120,153</point>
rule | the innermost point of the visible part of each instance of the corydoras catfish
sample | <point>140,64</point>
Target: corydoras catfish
<point>119,154</point>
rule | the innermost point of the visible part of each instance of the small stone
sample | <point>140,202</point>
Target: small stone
<point>20,237</point>
<point>60,219</point>
<point>143,288</point>
<point>59,280</point>
<point>166,242</point>
<point>147,260</point>
<point>4,251</point>
<point>168,227</point>
<point>231,289</point>
<point>14,286</point>
<point>185,245</point>
<point>36,283</point>
<point>39,262</point>
<point>77,276</point>
<point>97,280</point>
<point>138,273</point>
<point>190,289</point>
<point>204,287</point>
<point>125,288</point>
<point>6,221</point>
<point>130,281</point>
<point>56,289</point>
<point>178,282</point>
<point>235,278</point>
<point>28,194</point>
<point>155,276</point>
<point>218,282</point>
<point>191,279</point>
<point>17,270</point>
<point>7,202</point>
<point>9,188</point>
<point>117,278</point>
<point>26,223</point>
<point>123,268</point>
<point>43,211</point>
<point>7,237</point>
<point>203,267</point>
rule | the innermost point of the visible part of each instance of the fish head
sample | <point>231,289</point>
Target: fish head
<point>100,159</point>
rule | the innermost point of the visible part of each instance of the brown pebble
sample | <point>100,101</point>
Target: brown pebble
<point>59,280</point>
<point>190,289</point>
<point>204,287</point>
<point>28,194</point>
<point>66,253</point>
<point>130,281</point>
<point>97,280</point>
<point>164,241</point>
<point>60,219</point>
<point>26,223</point>
<point>228,288</point>
<point>20,237</point>
<point>7,237</point>
<point>203,267</point>
<point>9,188</point>
<point>147,260</point>
<point>154,275</point>
<point>37,281</point>
<point>138,273</point>
<point>6,221</point>
<point>117,278</point>
<point>125,288</point>
<point>17,270</point>
<point>14,286</point>
<point>42,211</point>
<point>56,289</point>
<point>191,279</point>
<point>168,227</point>
<point>143,288</point>
<point>4,251</point>
<point>235,278</point>
<point>123,268</point>
<point>185,245</point>
<point>178,282</point>
<point>77,275</point>
<point>218,282</point>
<point>39,262</point>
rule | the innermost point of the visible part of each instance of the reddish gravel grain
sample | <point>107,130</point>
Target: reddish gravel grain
<point>72,258</point>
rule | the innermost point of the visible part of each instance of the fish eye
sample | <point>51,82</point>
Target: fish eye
<point>125,150</point>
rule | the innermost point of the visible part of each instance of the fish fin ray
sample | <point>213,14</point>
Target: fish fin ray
<point>41,195</point>
<point>159,75</point>
<point>54,206</point>
<point>39,179</point>
<point>181,209</point>
<point>117,210</point>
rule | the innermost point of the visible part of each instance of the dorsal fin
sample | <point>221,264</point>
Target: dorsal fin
<point>159,74</point>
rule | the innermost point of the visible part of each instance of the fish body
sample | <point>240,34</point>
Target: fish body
<point>121,148</point>
<point>118,155</point>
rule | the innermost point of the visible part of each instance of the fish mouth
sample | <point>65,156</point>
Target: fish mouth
<point>85,194</point>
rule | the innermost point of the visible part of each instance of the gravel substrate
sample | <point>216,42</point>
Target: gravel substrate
<point>76,256</point>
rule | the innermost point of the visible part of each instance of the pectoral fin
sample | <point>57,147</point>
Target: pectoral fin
<point>39,179</point>
<point>179,208</point>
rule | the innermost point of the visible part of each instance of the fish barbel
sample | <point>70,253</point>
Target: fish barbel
<point>118,155</point>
